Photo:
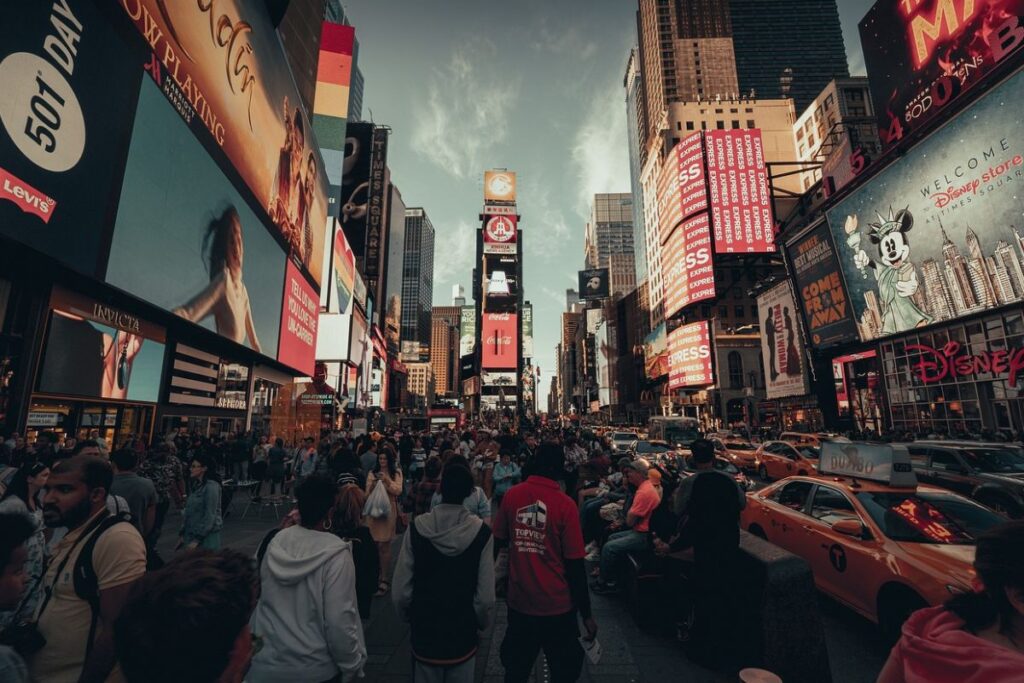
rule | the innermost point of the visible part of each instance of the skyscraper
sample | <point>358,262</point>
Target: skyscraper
<point>635,125</point>
<point>417,277</point>
<point>444,349</point>
<point>608,242</point>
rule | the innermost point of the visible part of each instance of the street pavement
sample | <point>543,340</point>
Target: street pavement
<point>629,654</point>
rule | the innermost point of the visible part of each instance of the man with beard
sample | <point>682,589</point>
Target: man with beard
<point>77,615</point>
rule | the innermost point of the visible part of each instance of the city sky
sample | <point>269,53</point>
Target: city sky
<point>531,85</point>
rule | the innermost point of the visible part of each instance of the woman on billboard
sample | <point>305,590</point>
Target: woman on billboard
<point>225,297</point>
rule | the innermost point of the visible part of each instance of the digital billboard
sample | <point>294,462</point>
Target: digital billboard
<point>499,187</point>
<point>498,341</point>
<point>740,199</point>
<point>299,317</point>
<point>594,284</point>
<point>682,185</point>
<point>68,85</point>
<point>223,67</point>
<point>377,204</point>
<point>527,330</point>
<point>187,241</point>
<point>467,331</point>
<point>656,353</point>
<point>330,103</point>
<point>921,55</point>
<point>344,280</point>
<point>933,237</point>
<point>782,345</point>
<point>500,234</point>
<point>819,286</point>
<point>689,356</point>
<point>95,350</point>
<point>355,185</point>
<point>687,268</point>
<point>501,284</point>
<point>198,378</point>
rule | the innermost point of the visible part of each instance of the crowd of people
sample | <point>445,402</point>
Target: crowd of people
<point>540,518</point>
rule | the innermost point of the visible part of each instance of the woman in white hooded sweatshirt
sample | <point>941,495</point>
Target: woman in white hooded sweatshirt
<point>307,614</point>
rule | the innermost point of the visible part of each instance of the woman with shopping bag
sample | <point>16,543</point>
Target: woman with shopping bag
<point>385,480</point>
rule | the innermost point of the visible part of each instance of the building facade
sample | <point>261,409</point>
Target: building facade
<point>444,349</point>
<point>417,277</point>
<point>608,242</point>
<point>421,384</point>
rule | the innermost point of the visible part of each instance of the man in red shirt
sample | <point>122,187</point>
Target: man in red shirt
<point>547,580</point>
<point>635,539</point>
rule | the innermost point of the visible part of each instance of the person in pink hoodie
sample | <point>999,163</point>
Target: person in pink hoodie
<point>975,637</point>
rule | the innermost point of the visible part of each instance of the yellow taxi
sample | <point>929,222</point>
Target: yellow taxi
<point>740,453</point>
<point>778,459</point>
<point>875,540</point>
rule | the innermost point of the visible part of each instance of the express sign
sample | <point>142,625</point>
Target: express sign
<point>500,235</point>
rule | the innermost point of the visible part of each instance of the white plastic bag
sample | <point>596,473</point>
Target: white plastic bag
<point>378,505</point>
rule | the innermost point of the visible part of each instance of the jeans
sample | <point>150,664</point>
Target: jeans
<point>617,547</point>
<point>590,518</point>
<point>527,635</point>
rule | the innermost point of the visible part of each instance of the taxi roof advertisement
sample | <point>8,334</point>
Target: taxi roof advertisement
<point>932,238</point>
<point>689,356</point>
<point>920,56</point>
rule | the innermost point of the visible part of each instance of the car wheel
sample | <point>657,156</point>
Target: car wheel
<point>758,531</point>
<point>1002,505</point>
<point>762,472</point>
<point>894,607</point>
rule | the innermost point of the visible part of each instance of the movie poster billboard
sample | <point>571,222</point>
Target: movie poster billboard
<point>594,284</point>
<point>934,236</point>
<point>819,288</point>
<point>95,350</point>
<point>467,331</point>
<point>740,199</point>
<point>656,353</point>
<point>500,234</point>
<point>68,85</point>
<point>689,356</point>
<point>785,370</point>
<point>687,267</point>
<point>922,55</point>
<point>223,68</point>
<point>527,330</point>
<point>185,239</point>
<point>498,341</point>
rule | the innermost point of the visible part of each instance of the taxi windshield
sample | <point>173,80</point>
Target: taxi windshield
<point>995,460</point>
<point>808,452</point>
<point>939,518</point>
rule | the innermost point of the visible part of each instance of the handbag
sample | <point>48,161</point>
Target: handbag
<point>378,504</point>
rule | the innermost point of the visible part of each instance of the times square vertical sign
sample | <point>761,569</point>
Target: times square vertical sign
<point>376,213</point>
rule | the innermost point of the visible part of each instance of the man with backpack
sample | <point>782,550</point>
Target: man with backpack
<point>89,575</point>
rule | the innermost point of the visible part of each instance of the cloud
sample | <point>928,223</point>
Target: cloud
<point>454,251</point>
<point>465,113</point>
<point>547,233</point>
<point>599,155</point>
<point>569,42</point>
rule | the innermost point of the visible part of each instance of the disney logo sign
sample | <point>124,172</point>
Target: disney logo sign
<point>936,365</point>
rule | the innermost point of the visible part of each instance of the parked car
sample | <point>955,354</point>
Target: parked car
<point>779,459</point>
<point>722,465</point>
<point>740,453</point>
<point>621,441</point>
<point>990,473</point>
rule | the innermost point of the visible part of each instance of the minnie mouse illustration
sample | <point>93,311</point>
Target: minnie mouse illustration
<point>894,271</point>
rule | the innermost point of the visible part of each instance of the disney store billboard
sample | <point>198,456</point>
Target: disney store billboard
<point>939,234</point>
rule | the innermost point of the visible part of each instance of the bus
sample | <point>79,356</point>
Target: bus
<point>677,431</point>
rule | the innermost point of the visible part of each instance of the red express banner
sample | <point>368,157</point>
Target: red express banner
<point>923,54</point>
<point>688,270</point>
<point>741,203</point>
<point>689,356</point>
<point>682,186</point>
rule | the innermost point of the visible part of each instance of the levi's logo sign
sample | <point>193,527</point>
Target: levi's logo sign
<point>26,197</point>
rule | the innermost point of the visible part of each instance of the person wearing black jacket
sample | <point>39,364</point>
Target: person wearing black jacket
<point>348,526</point>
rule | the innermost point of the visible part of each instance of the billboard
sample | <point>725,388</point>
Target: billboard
<point>656,353</point>
<point>932,237</point>
<point>689,356</point>
<point>815,269</point>
<point>687,268</point>
<point>203,379</point>
<point>594,284</point>
<point>395,263</point>
<point>332,338</point>
<point>498,341</point>
<point>344,280</point>
<point>185,239</point>
<point>355,185</point>
<point>223,67</point>
<point>500,234</point>
<point>376,214</point>
<point>330,103</point>
<point>499,187</point>
<point>501,284</point>
<point>66,104</point>
<point>785,367</point>
<point>527,330</point>
<point>682,185</point>
<point>299,316</point>
<point>922,55</point>
<point>498,379</point>
<point>99,351</point>
<point>467,331</point>
<point>741,201</point>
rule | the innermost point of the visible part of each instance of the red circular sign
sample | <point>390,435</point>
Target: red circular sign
<point>501,229</point>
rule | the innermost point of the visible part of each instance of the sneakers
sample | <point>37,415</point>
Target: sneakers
<point>602,588</point>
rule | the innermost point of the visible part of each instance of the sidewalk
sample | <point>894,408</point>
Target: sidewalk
<point>628,654</point>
